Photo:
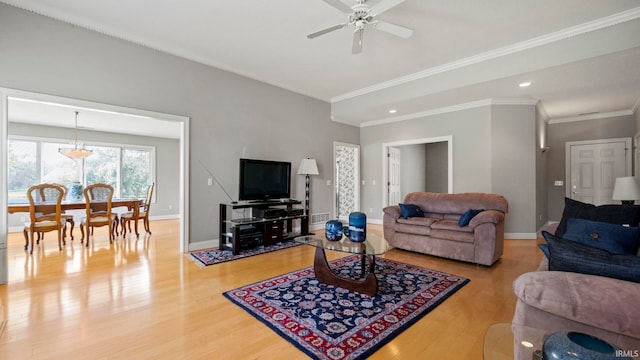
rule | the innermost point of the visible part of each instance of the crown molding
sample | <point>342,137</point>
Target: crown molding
<point>591,116</point>
<point>587,27</point>
<point>449,109</point>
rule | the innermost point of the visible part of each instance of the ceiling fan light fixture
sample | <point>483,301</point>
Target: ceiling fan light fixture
<point>362,15</point>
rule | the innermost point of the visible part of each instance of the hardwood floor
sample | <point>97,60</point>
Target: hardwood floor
<point>143,299</point>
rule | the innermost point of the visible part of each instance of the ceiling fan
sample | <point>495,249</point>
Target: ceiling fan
<point>359,16</point>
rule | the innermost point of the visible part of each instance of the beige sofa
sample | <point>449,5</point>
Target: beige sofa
<point>557,300</point>
<point>438,232</point>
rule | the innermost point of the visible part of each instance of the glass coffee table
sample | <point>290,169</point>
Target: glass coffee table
<point>374,245</point>
<point>510,341</point>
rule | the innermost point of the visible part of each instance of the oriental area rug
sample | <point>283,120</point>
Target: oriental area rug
<point>328,322</point>
<point>211,257</point>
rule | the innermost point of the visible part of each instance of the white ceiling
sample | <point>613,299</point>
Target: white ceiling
<point>582,56</point>
<point>61,113</point>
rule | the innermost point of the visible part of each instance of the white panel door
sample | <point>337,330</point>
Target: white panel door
<point>594,169</point>
<point>394,176</point>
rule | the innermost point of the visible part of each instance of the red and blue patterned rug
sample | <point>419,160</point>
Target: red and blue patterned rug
<point>328,322</point>
<point>211,257</point>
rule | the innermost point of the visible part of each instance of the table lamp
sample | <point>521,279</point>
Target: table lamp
<point>307,167</point>
<point>626,190</point>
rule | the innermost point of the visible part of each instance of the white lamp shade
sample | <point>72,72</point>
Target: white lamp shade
<point>626,188</point>
<point>308,167</point>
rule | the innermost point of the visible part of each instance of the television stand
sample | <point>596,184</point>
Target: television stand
<point>274,225</point>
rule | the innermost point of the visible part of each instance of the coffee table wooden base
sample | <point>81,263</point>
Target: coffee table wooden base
<point>367,286</point>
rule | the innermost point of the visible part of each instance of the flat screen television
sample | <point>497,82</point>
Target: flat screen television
<point>264,180</point>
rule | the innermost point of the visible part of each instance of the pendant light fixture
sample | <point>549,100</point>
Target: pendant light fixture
<point>77,152</point>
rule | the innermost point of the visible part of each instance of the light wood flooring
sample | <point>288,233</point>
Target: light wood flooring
<point>143,299</point>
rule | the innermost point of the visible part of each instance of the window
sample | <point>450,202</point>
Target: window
<point>23,168</point>
<point>129,169</point>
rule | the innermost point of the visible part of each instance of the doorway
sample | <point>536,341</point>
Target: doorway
<point>183,129</point>
<point>441,151</point>
<point>593,166</point>
<point>346,175</point>
<point>394,162</point>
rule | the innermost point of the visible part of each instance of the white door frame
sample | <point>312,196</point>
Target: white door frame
<point>569,144</point>
<point>385,171</point>
<point>335,176</point>
<point>5,93</point>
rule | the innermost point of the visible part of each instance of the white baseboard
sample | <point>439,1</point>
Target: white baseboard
<point>201,245</point>
<point>521,236</point>
<point>13,229</point>
<point>164,217</point>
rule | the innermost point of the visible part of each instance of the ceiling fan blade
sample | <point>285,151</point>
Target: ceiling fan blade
<point>393,29</point>
<point>327,30</point>
<point>339,5</point>
<point>356,48</point>
<point>383,6</point>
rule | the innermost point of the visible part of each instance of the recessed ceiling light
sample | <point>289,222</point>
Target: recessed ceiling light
<point>393,111</point>
<point>525,84</point>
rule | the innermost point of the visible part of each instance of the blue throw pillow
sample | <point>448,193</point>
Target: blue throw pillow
<point>613,214</point>
<point>465,219</point>
<point>410,210</point>
<point>616,239</point>
<point>545,249</point>
<point>567,255</point>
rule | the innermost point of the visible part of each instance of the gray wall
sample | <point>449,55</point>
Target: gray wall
<point>493,152</point>
<point>471,130</point>
<point>542,183</point>
<point>560,133</point>
<point>437,167</point>
<point>412,168</point>
<point>167,161</point>
<point>513,164</point>
<point>231,116</point>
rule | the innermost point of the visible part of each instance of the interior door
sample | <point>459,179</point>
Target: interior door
<point>595,167</point>
<point>393,184</point>
<point>346,179</point>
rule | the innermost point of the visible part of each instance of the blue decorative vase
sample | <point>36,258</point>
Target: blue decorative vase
<point>333,230</point>
<point>565,345</point>
<point>75,191</point>
<point>357,230</point>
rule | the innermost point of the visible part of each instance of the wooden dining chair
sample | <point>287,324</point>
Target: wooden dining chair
<point>44,214</point>
<point>98,213</point>
<point>143,214</point>
<point>47,193</point>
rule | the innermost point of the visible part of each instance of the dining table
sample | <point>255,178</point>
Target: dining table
<point>133,204</point>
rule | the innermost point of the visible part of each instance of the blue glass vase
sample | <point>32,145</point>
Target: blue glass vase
<point>357,230</point>
<point>570,345</point>
<point>333,230</point>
